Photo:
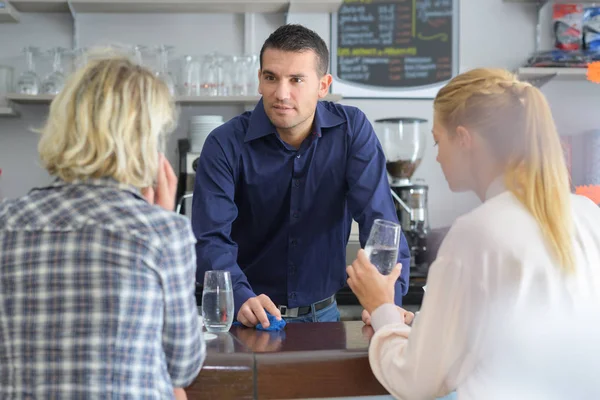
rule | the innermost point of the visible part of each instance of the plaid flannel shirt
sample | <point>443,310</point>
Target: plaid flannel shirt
<point>96,295</point>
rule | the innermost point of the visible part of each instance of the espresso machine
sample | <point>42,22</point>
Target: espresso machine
<point>403,141</point>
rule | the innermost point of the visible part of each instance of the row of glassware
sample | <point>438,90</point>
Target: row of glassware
<point>212,74</point>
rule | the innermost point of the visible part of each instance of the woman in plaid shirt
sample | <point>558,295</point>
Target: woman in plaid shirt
<point>97,274</point>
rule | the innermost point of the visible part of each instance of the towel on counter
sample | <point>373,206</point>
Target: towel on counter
<point>274,324</point>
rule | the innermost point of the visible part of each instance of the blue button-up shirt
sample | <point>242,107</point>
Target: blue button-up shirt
<point>279,218</point>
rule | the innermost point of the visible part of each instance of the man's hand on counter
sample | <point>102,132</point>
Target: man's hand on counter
<point>407,315</point>
<point>253,311</point>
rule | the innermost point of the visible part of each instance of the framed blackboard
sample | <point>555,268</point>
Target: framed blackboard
<point>394,48</point>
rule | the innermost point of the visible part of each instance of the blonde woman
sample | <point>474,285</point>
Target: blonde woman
<point>510,274</point>
<point>97,274</point>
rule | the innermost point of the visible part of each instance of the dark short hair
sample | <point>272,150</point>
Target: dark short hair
<point>298,38</point>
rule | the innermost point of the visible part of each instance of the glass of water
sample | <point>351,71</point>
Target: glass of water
<point>382,245</point>
<point>217,301</point>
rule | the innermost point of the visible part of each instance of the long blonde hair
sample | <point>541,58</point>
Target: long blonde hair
<point>110,120</point>
<point>515,118</point>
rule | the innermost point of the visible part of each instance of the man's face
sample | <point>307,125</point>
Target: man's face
<point>291,87</point>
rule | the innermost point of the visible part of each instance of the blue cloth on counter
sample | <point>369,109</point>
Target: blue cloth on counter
<point>278,217</point>
<point>274,324</point>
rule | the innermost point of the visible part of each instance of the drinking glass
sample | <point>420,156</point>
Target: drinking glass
<point>138,54</point>
<point>162,71</point>
<point>382,245</point>
<point>210,75</point>
<point>55,81</point>
<point>217,301</point>
<point>29,82</point>
<point>191,77</point>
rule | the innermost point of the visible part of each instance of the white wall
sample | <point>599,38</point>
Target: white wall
<point>492,33</point>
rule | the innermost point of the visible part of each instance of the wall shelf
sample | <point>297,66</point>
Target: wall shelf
<point>29,99</point>
<point>542,2</point>
<point>179,6</point>
<point>8,13</point>
<point>8,112</point>
<point>183,100</point>
<point>533,73</point>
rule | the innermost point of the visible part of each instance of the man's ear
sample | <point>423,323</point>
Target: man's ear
<point>324,84</point>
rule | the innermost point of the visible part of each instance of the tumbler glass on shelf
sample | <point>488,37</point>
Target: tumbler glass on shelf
<point>29,82</point>
<point>252,70</point>
<point>223,67</point>
<point>162,70</point>
<point>382,245</point>
<point>80,57</point>
<point>191,77</point>
<point>210,75</point>
<point>55,81</point>
<point>138,56</point>
<point>239,75</point>
<point>217,301</point>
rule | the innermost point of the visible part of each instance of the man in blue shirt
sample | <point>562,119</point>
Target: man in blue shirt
<point>277,188</point>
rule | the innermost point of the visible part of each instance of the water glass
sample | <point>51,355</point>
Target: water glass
<point>382,245</point>
<point>217,301</point>
<point>29,82</point>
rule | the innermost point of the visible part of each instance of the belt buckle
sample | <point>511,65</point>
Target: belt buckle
<point>288,312</point>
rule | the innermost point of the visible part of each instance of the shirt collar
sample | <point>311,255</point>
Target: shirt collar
<point>260,125</point>
<point>105,182</point>
<point>496,187</point>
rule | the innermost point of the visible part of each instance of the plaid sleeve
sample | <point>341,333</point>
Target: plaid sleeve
<point>183,343</point>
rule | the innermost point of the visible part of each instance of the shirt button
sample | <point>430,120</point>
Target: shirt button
<point>293,242</point>
<point>296,214</point>
<point>297,155</point>
<point>293,295</point>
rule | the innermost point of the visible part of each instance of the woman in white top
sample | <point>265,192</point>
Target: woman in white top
<point>515,287</point>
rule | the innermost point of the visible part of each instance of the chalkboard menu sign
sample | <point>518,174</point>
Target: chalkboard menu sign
<point>394,48</point>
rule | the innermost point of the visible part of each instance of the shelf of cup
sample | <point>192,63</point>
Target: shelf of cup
<point>184,100</point>
<point>8,13</point>
<point>178,6</point>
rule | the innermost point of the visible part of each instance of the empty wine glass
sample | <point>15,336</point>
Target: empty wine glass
<point>55,81</point>
<point>162,71</point>
<point>382,245</point>
<point>29,82</point>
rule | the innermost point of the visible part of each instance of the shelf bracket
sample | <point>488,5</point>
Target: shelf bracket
<point>538,25</point>
<point>540,81</point>
<point>75,39</point>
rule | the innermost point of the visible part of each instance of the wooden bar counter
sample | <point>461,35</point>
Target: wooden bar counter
<point>310,360</point>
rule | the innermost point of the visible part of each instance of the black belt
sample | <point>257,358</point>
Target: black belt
<point>298,311</point>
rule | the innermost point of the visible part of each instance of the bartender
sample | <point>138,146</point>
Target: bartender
<point>277,188</point>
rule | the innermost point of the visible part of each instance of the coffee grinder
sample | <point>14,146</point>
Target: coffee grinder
<point>403,141</point>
